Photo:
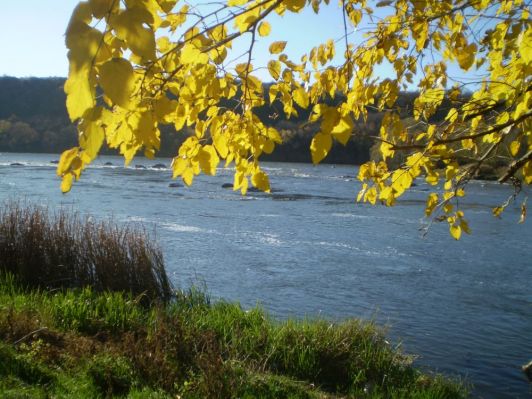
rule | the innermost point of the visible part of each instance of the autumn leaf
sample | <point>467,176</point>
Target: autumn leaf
<point>277,47</point>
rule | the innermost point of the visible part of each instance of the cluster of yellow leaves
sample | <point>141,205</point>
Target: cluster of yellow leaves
<point>493,120</point>
<point>137,64</point>
<point>147,80</point>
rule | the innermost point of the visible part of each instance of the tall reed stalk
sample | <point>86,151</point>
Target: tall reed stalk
<point>63,250</point>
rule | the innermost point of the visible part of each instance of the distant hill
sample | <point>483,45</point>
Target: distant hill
<point>33,118</point>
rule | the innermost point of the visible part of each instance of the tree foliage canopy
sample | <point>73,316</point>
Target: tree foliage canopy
<point>138,64</point>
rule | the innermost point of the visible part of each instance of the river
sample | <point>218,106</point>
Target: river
<point>308,249</point>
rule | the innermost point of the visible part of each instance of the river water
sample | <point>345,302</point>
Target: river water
<point>308,249</point>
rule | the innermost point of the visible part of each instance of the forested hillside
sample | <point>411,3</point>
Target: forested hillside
<point>33,118</point>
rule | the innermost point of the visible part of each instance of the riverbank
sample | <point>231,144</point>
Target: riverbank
<point>86,311</point>
<point>82,344</point>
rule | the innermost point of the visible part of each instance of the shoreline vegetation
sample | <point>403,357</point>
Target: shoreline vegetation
<point>87,311</point>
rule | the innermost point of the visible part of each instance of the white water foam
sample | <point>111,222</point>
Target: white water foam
<point>182,228</point>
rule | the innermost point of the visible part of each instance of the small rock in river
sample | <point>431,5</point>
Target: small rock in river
<point>527,369</point>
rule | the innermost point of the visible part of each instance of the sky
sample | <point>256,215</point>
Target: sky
<point>32,41</point>
<point>32,35</point>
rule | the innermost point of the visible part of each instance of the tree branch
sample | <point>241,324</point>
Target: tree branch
<point>515,166</point>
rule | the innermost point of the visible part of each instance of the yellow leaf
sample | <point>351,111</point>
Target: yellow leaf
<point>525,45</point>
<point>386,150</point>
<point>452,115</point>
<point>514,147</point>
<point>448,207</point>
<point>178,166</point>
<point>343,129</point>
<point>218,33</point>
<point>117,80</point>
<point>243,68</point>
<point>80,93</point>
<point>420,33</point>
<point>65,160</point>
<point>527,172</point>
<point>91,138</point>
<point>245,21</point>
<point>320,146</point>
<point>497,211</point>
<point>149,153</point>
<point>66,183</point>
<point>432,202</point>
<point>208,160</point>
<point>456,231</point>
<point>274,135</point>
<point>260,180</point>
<point>401,181</point>
<point>362,192</point>
<point>220,143</point>
<point>294,5</point>
<point>100,8</point>
<point>130,27</point>
<point>232,3</point>
<point>167,5</point>
<point>191,54</point>
<point>218,56</point>
<point>432,179</point>
<point>371,195</point>
<point>277,47</point>
<point>465,226</point>
<point>466,56</point>
<point>433,96</point>
<point>83,43</point>
<point>188,176</point>
<point>274,67</point>
<point>502,118</point>
<point>264,29</point>
<point>301,97</point>
<point>387,195</point>
<point>165,109</point>
<point>240,183</point>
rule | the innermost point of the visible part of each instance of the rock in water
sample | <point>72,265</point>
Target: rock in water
<point>527,369</point>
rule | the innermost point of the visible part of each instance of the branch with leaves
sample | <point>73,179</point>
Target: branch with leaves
<point>137,65</point>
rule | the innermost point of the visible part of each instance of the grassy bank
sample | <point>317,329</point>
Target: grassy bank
<point>82,344</point>
<point>86,311</point>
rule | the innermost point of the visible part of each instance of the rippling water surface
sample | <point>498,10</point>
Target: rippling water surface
<point>308,249</point>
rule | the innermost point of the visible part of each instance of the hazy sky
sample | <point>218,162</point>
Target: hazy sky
<point>32,38</point>
<point>32,35</point>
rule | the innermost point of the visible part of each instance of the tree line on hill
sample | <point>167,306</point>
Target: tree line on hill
<point>33,118</point>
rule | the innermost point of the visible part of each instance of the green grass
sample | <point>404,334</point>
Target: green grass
<point>78,343</point>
